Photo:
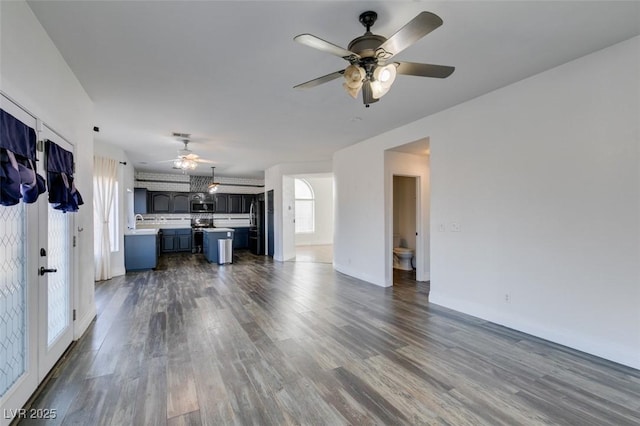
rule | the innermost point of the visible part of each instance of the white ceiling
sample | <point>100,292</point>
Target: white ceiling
<point>224,71</point>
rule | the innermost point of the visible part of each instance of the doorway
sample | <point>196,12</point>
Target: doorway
<point>36,286</point>
<point>313,218</point>
<point>405,210</point>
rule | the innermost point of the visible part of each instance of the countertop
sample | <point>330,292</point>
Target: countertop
<point>147,231</point>
<point>156,226</point>
<point>218,230</point>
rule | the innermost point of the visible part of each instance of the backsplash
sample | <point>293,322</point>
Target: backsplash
<point>178,183</point>
<point>221,220</point>
<point>187,183</point>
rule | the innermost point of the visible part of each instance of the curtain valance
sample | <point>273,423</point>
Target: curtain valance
<point>18,177</point>
<point>62,191</point>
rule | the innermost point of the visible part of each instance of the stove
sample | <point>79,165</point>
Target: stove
<point>197,231</point>
<point>200,224</point>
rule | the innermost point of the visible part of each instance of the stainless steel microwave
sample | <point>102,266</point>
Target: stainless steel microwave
<point>202,207</point>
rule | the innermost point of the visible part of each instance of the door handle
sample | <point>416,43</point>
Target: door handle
<point>44,270</point>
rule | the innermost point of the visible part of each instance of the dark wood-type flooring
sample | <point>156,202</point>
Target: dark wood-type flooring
<point>261,342</point>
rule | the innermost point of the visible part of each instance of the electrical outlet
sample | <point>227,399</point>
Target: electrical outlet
<point>507,297</point>
<point>455,227</point>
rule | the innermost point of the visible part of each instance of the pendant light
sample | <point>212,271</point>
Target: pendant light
<point>213,186</point>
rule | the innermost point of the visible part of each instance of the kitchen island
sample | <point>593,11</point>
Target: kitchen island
<point>211,237</point>
<point>141,249</point>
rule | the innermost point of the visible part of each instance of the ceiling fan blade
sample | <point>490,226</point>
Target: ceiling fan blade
<point>318,81</point>
<point>202,160</point>
<point>325,46</point>
<point>413,31</point>
<point>424,70</point>
<point>367,93</point>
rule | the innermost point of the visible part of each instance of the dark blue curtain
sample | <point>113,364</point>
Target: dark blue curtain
<point>62,191</point>
<point>18,177</point>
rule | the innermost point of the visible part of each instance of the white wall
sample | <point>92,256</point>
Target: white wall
<point>33,72</point>
<point>125,182</point>
<point>322,187</point>
<point>284,241</point>
<point>543,177</point>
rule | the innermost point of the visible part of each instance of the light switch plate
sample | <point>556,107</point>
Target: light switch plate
<point>455,227</point>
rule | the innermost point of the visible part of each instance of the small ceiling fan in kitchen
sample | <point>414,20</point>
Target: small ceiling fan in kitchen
<point>186,159</point>
<point>370,66</point>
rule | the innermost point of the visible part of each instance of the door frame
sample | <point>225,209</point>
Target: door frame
<point>40,357</point>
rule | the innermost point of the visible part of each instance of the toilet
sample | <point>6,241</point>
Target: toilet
<point>401,256</point>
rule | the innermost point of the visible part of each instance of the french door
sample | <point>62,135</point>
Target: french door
<point>55,274</point>
<point>36,288</point>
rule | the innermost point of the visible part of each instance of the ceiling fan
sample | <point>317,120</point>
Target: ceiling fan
<point>369,57</point>
<point>186,159</point>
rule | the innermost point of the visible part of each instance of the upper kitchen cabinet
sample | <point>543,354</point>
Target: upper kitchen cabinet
<point>159,202</point>
<point>222,205</point>
<point>181,202</point>
<point>168,202</point>
<point>140,200</point>
<point>235,203</point>
<point>247,199</point>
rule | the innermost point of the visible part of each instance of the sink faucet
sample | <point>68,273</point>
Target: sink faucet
<point>139,216</point>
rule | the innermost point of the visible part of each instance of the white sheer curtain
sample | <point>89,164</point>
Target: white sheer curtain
<point>105,175</point>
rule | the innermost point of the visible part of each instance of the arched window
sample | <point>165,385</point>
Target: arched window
<point>305,207</point>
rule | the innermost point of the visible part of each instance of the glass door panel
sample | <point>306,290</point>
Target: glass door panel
<point>18,295</point>
<point>13,295</point>
<point>58,286</point>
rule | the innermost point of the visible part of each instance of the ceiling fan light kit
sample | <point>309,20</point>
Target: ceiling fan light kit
<point>184,164</point>
<point>186,160</point>
<point>368,55</point>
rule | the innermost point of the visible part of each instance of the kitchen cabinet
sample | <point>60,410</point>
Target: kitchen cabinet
<point>168,202</point>
<point>140,200</point>
<point>235,203</point>
<point>181,202</point>
<point>160,202</point>
<point>175,240</point>
<point>221,203</point>
<point>140,252</point>
<point>210,242</point>
<point>247,199</point>
<point>241,238</point>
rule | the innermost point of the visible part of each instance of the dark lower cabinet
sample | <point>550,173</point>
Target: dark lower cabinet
<point>175,240</point>
<point>210,243</point>
<point>140,252</point>
<point>241,238</point>
<point>168,241</point>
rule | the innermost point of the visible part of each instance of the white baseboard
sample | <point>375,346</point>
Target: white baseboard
<point>357,274</point>
<point>574,339</point>
<point>81,325</point>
